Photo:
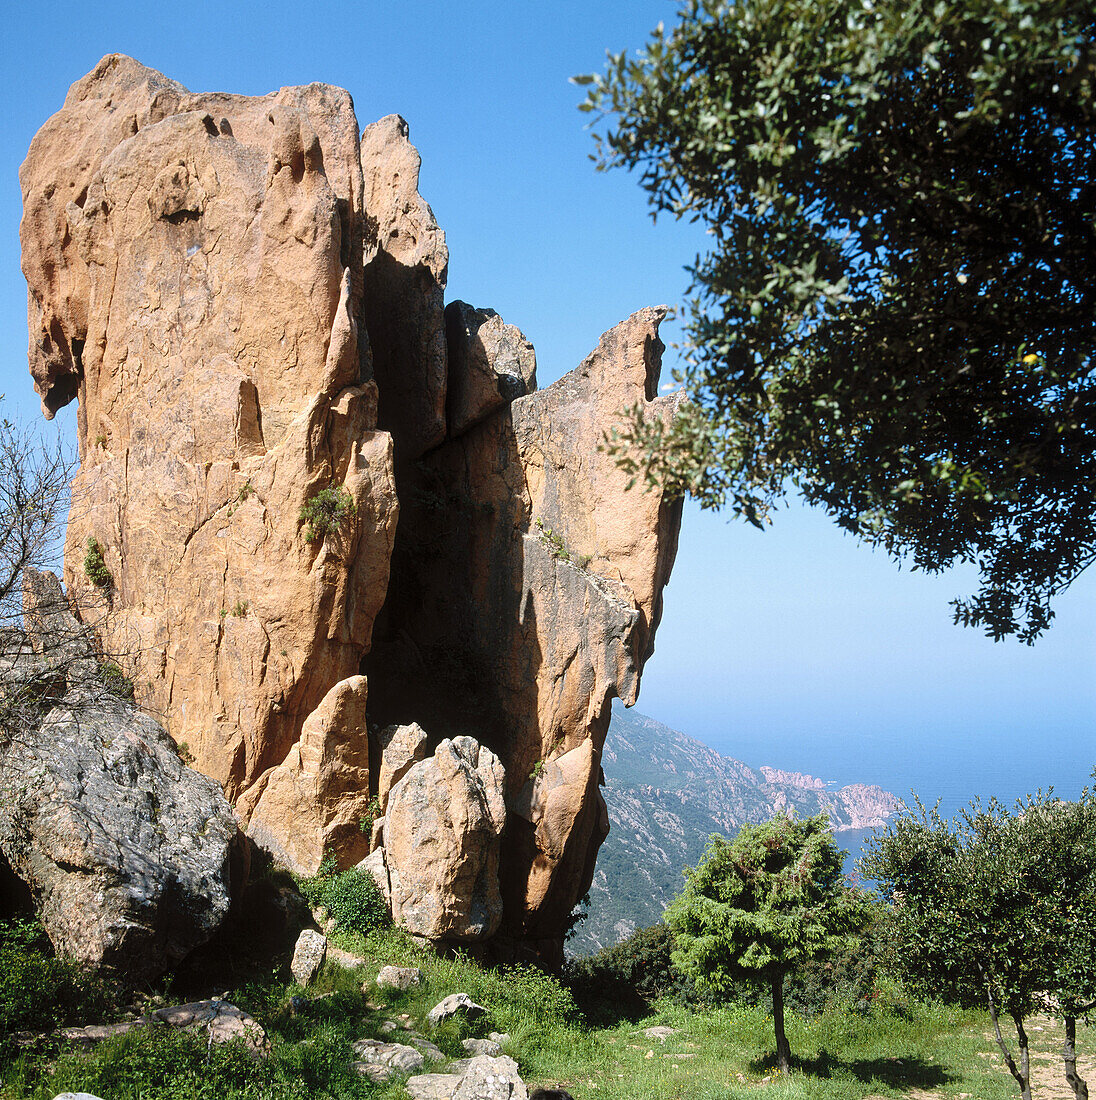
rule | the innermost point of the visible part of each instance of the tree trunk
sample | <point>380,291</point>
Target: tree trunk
<point>1023,1074</point>
<point>1069,1056</point>
<point>783,1050</point>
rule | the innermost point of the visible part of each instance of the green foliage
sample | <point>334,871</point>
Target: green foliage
<point>37,991</point>
<point>369,818</point>
<point>351,897</point>
<point>758,905</point>
<point>995,909</point>
<point>896,314</point>
<point>633,972</point>
<point>95,568</point>
<point>327,512</point>
<point>115,679</point>
<point>239,609</point>
<point>556,546</point>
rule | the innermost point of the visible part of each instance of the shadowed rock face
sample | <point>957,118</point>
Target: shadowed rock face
<point>202,273</point>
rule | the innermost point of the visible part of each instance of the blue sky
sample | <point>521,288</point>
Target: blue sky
<point>794,647</point>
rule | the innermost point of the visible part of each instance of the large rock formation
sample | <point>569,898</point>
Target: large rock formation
<point>203,273</point>
<point>194,268</point>
<point>132,857</point>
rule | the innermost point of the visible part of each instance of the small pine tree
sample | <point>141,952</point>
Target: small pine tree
<point>758,905</point>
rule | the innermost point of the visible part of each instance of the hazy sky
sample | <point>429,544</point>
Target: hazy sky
<point>794,647</point>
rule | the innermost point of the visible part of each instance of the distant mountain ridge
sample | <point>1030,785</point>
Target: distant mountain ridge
<point>667,793</point>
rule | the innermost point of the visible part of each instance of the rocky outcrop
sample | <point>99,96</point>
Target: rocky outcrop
<point>132,857</point>
<point>248,302</point>
<point>490,364</point>
<point>526,589</point>
<point>194,268</point>
<point>442,829</point>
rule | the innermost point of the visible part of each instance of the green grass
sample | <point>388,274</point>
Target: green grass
<point>895,1049</point>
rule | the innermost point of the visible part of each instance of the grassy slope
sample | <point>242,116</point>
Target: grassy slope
<point>900,1049</point>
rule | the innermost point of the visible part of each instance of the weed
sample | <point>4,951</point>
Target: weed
<point>240,609</point>
<point>326,512</point>
<point>115,680</point>
<point>101,440</point>
<point>368,819</point>
<point>556,546</point>
<point>538,769</point>
<point>185,755</point>
<point>95,568</point>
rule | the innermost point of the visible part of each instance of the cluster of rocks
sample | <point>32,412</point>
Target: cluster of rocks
<point>246,295</point>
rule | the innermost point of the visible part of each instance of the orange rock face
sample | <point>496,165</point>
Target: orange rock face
<point>232,288</point>
<point>195,280</point>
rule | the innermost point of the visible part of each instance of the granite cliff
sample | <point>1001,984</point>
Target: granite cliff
<point>355,553</point>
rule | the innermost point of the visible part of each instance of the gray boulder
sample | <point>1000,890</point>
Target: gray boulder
<point>491,1079</point>
<point>128,853</point>
<point>399,977</point>
<point>308,956</point>
<point>451,1005</point>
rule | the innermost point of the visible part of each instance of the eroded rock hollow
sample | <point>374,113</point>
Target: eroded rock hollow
<point>246,296</point>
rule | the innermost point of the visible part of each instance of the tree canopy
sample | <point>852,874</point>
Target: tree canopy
<point>997,910</point>
<point>897,314</point>
<point>757,906</point>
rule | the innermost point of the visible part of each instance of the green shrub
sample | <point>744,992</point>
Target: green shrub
<point>630,973</point>
<point>351,897</point>
<point>326,512</point>
<point>369,818</point>
<point>115,680</point>
<point>95,568</point>
<point>39,992</point>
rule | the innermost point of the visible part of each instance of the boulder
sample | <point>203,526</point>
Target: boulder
<point>406,264</point>
<point>314,801</point>
<point>308,956</point>
<point>443,824</point>
<point>131,856</point>
<point>399,977</point>
<point>491,1079</point>
<point>453,1005</point>
<point>432,1086</point>
<point>394,1056</point>
<point>482,1046</point>
<point>490,364</point>
<point>377,867</point>
<point>401,746</point>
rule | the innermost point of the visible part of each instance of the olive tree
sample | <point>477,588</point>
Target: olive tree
<point>757,906</point>
<point>997,909</point>
<point>897,312</point>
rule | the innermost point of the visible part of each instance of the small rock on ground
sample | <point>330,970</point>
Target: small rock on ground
<point>660,1033</point>
<point>491,1079</point>
<point>482,1046</point>
<point>451,1005</point>
<point>396,1056</point>
<point>308,955</point>
<point>432,1086</point>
